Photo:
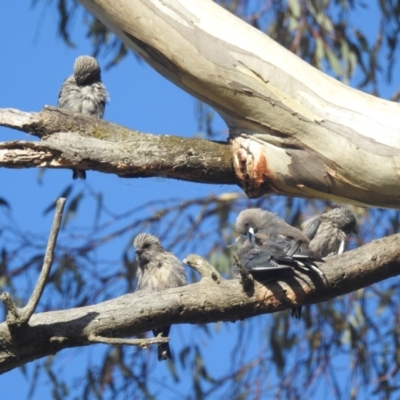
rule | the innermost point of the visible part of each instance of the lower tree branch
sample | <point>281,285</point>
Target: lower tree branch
<point>131,314</point>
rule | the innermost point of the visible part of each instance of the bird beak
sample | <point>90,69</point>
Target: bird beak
<point>251,236</point>
<point>355,231</point>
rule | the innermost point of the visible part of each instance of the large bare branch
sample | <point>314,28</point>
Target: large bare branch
<point>76,140</point>
<point>294,130</point>
<point>207,301</point>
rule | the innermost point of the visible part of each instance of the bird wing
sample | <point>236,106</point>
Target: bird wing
<point>257,259</point>
<point>312,227</point>
<point>60,93</point>
<point>294,248</point>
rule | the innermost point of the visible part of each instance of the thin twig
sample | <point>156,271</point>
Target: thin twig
<point>143,343</point>
<point>21,316</point>
<point>246,279</point>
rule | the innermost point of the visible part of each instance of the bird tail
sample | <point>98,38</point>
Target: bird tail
<point>308,262</point>
<point>164,352</point>
<point>305,260</point>
<point>296,312</point>
<point>78,173</point>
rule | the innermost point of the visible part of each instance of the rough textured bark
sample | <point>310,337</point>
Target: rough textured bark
<point>212,299</point>
<point>75,140</point>
<point>294,130</point>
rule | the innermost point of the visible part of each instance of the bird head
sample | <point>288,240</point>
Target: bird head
<point>145,244</point>
<point>86,70</point>
<point>248,221</point>
<point>344,219</point>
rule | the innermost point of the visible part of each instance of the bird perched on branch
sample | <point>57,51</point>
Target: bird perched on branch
<point>83,92</point>
<point>259,255</point>
<point>278,239</point>
<point>157,269</point>
<point>327,232</point>
<point>278,232</point>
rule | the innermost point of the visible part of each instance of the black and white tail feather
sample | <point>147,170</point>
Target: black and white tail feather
<point>264,255</point>
<point>261,255</point>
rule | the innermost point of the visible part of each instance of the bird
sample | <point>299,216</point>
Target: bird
<point>328,231</point>
<point>83,92</point>
<point>279,233</point>
<point>259,255</point>
<point>157,269</point>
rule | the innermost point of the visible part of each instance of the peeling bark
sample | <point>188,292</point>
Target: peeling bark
<point>210,300</point>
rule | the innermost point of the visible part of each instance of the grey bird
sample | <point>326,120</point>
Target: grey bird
<point>83,92</point>
<point>259,255</point>
<point>158,269</point>
<point>327,232</point>
<point>278,233</point>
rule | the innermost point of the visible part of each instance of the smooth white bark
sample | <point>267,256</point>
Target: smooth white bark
<point>314,136</point>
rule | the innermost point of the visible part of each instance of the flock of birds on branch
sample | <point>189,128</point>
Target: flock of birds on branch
<point>271,243</point>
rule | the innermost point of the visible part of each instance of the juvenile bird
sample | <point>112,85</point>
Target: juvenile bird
<point>83,92</point>
<point>327,232</point>
<point>157,269</point>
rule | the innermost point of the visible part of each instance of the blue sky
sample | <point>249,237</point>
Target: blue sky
<point>35,61</point>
